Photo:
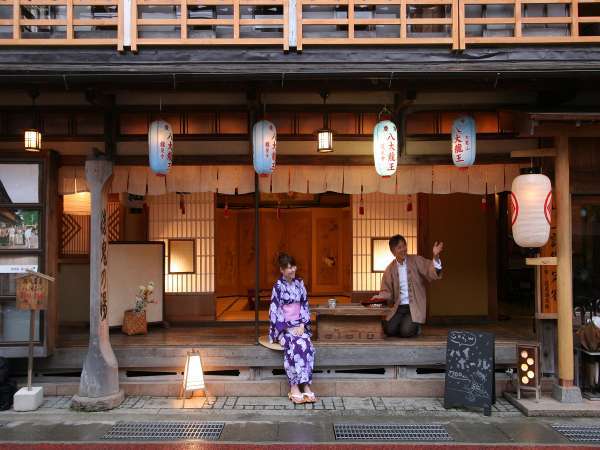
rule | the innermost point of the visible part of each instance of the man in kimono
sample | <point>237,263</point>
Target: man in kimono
<point>403,287</point>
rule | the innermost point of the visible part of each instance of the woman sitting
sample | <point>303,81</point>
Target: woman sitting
<point>290,327</point>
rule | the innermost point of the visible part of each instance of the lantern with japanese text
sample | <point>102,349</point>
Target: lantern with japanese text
<point>160,147</point>
<point>385,148</point>
<point>464,136</point>
<point>264,146</point>
<point>531,205</point>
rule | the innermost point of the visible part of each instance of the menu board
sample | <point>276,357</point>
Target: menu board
<point>470,362</point>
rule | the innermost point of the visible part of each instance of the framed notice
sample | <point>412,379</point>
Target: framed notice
<point>130,265</point>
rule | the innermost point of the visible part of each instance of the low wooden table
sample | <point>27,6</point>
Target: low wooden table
<point>350,323</point>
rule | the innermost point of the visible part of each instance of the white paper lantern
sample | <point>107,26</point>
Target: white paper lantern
<point>464,135</point>
<point>385,148</point>
<point>160,147</point>
<point>531,205</point>
<point>264,147</point>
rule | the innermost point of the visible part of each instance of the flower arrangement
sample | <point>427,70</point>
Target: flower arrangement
<point>143,297</point>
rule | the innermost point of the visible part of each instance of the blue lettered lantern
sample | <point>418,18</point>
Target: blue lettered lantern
<point>385,148</point>
<point>464,137</point>
<point>264,146</point>
<point>160,147</point>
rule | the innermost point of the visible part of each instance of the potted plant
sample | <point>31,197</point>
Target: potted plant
<point>134,320</point>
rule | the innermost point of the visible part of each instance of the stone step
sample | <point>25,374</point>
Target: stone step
<point>404,387</point>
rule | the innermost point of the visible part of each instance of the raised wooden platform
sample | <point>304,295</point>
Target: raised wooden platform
<point>234,347</point>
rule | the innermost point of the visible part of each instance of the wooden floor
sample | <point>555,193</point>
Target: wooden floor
<point>222,334</point>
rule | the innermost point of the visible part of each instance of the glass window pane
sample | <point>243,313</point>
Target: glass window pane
<point>19,229</point>
<point>14,324</point>
<point>19,183</point>
<point>10,268</point>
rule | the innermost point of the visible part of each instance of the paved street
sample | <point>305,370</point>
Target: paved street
<point>275,422</point>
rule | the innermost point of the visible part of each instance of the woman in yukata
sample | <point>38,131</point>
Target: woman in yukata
<point>290,327</point>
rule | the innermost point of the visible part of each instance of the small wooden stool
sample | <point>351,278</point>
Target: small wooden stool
<point>264,341</point>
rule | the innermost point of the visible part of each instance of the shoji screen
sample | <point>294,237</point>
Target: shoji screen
<point>384,216</point>
<point>168,221</point>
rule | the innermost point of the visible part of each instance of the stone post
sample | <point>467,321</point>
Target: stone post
<point>99,387</point>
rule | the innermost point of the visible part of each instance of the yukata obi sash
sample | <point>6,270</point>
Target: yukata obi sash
<point>291,311</point>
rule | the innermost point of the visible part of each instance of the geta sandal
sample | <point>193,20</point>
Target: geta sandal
<point>296,399</point>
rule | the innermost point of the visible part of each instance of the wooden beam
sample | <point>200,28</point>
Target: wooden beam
<point>541,261</point>
<point>534,153</point>
<point>307,160</point>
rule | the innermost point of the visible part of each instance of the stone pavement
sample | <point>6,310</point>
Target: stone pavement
<point>389,405</point>
<point>273,421</point>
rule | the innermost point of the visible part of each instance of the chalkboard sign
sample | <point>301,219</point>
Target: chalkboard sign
<point>470,362</point>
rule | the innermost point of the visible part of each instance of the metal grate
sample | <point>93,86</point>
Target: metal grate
<point>391,432</point>
<point>576,433</point>
<point>165,431</point>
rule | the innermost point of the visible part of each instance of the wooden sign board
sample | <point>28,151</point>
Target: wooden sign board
<point>470,378</point>
<point>32,291</point>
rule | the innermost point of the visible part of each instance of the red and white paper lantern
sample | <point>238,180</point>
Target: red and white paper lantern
<point>385,148</point>
<point>464,135</point>
<point>264,147</point>
<point>531,206</point>
<point>160,147</point>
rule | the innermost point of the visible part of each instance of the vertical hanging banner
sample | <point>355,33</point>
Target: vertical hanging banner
<point>385,148</point>
<point>464,135</point>
<point>264,147</point>
<point>160,147</point>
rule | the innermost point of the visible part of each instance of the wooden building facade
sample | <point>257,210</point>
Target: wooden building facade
<point>104,72</point>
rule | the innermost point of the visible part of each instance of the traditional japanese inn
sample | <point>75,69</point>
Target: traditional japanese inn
<point>157,158</point>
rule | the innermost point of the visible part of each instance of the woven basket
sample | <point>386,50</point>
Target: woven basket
<point>134,323</point>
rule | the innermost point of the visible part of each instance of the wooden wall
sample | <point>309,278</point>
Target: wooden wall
<point>318,238</point>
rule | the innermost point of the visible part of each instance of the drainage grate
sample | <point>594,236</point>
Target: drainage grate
<point>391,432</point>
<point>165,431</point>
<point>576,433</point>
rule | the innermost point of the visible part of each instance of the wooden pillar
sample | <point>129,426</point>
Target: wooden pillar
<point>99,386</point>
<point>564,390</point>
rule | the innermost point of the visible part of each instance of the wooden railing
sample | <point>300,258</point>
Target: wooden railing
<point>210,22</point>
<point>378,22</point>
<point>529,21</point>
<point>298,23</point>
<point>61,22</point>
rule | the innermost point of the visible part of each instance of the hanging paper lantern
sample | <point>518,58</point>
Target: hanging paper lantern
<point>464,137</point>
<point>264,146</point>
<point>531,204</point>
<point>160,147</point>
<point>385,148</point>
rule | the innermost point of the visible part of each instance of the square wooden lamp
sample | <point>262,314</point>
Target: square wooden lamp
<point>528,369</point>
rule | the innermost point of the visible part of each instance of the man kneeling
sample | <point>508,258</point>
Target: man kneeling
<point>403,287</point>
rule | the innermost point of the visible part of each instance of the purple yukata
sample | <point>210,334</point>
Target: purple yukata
<point>289,309</point>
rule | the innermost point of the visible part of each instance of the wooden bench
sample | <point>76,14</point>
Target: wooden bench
<point>350,323</point>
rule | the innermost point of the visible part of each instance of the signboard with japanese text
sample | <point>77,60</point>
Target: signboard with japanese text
<point>548,275</point>
<point>470,362</point>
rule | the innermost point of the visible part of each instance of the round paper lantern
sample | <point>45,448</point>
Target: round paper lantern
<point>464,137</point>
<point>264,147</point>
<point>160,147</point>
<point>531,204</point>
<point>385,148</point>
